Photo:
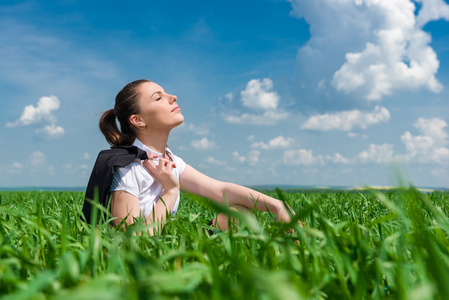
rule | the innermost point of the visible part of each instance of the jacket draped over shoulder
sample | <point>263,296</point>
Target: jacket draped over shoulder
<point>102,173</point>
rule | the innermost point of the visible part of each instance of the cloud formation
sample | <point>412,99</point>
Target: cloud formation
<point>36,158</point>
<point>347,120</point>
<point>430,146</point>
<point>252,157</point>
<point>214,161</point>
<point>377,154</point>
<point>337,158</point>
<point>202,129</point>
<point>381,42</point>
<point>203,144</point>
<point>276,143</point>
<point>50,132</point>
<point>43,112</point>
<point>258,96</point>
<point>237,157</point>
<point>302,157</point>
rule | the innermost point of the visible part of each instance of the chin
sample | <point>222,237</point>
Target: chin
<point>181,119</point>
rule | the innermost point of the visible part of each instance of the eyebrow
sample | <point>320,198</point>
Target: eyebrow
<point>155,93</point>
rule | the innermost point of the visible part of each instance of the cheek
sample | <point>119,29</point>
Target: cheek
<point>156,117</point>
<point>151,112</point>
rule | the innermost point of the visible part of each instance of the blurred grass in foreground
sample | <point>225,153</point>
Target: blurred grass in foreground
<point>365,245</point>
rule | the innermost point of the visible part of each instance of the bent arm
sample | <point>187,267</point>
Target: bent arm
<point>125,206</point>
<point>195,182</point>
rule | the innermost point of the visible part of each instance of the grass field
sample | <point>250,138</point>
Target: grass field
<point>358,245</point>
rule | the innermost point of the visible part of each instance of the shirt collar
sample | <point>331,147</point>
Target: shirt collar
<point>148,150</point>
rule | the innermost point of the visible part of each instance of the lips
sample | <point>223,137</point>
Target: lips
<point>176,109</point>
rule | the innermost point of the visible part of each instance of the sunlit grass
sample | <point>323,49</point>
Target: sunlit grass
<point>360,245</point>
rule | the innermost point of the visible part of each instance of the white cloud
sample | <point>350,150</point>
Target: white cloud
<point>15,168</point>
<point>214,161</point>
<point>278,142</point>
<point>203,144</point>
<point>36,158</point>
<point>85,156</point>
<point>202,129</point>
<point>430,147</point>
<point>347,120</point>
<point>236,156</point>
<point>432,10</point>
<point>253,157</point>
<point>337,158</point>
<point>50,132</point>
<point>399,56</point>
<point>229,97</point>
<point>377,154</point>
<point>382,42</point>
<point>439,172</point>
<point>267,118</point>
<point>43,112</point>
<point>433,128</point>
<point>302,157</point>
<point>258,96</point>
<point>82,169</point>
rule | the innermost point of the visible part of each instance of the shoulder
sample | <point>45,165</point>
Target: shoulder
<point>132,177</point>
<point>120,156</point>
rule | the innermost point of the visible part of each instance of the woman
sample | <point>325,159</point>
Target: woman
<point>147,171</point>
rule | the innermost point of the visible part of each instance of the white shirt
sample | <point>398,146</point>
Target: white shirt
<point>138,181</point>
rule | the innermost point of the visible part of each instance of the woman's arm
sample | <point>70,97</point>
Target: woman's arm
<point>125,205</point>
<point>195,182</point>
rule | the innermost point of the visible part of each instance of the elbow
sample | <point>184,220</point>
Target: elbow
<point>221,192</point>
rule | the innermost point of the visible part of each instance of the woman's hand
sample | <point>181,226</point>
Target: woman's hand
<point>163,172</point>
<point>284,216</point>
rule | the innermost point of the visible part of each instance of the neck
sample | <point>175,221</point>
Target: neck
<point>156,141</point>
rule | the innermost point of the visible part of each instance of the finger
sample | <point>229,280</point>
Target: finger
<point>150,166</point>
<point>169,166</point>
<point>163,162</point>
<point>152,155</point>
<point>167,162</point>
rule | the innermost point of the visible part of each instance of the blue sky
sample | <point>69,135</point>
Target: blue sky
<point>298,92</point>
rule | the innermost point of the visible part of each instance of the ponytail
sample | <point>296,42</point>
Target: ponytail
<point>108,126</point>
<point>126,105</point>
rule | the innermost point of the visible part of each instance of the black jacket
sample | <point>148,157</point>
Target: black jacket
<point>102,173</point>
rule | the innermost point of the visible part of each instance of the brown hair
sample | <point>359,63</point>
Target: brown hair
<point>126,105</point>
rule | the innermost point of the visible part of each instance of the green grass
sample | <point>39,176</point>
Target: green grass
<point>370,245</point>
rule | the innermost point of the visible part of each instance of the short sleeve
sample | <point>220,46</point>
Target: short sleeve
<point>180,164</point>
<point>124,180</point>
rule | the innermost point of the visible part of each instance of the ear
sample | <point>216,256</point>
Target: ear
<point>137,121</point>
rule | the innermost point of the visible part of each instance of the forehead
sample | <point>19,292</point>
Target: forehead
<point>149,88</point>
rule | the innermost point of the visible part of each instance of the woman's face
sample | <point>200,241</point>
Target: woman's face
<point>158,110</point>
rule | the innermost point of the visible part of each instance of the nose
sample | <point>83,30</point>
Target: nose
<point>173,98</point>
